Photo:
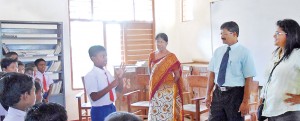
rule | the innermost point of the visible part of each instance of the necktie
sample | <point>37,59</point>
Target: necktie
<point>44,84</point>
<point>223,66</point>
<point>111,94</point>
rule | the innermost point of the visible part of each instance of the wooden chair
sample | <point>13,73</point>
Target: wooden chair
<point>197,90</point>
<point>85,106</point>
<point>142,103</point>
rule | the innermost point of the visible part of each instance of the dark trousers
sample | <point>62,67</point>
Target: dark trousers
<point>225,105</point>
<point>1,118</point>
<point>99,113</point>
<point>288,116</point>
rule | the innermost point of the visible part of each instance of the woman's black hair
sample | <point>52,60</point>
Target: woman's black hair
<point>292,30</point>
<point>163,36</point>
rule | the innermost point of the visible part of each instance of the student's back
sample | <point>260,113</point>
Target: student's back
<point>47,112</point>
<point>122,116</point>
<point>18,93</point>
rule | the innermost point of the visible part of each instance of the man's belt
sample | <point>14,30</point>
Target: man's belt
<point>224,88</point>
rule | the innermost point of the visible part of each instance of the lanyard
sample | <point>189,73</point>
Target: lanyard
<point>270,76</point>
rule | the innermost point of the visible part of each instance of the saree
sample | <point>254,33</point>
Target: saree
<point>166,101</point>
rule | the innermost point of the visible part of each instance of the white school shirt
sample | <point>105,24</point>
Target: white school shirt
<point>49,80</point>
<point>95,81</point>
<point>3,112</point>
<point>285,79</point>
<point>15,115</point>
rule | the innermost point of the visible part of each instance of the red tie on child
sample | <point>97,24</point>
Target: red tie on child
<point>44,84</point>
<point>111,94</point>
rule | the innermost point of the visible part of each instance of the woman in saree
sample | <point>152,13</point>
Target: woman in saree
<point>165,84</point>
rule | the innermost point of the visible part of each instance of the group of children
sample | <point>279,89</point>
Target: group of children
<point>20,91</point>
<point>22,86</point>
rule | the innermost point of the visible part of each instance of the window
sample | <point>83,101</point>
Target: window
<point>83,36</point>
<point>111,10</point>
<point>125,29</point>
<point>187,10</point>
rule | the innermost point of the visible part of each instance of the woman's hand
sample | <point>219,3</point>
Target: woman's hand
<point>176,76</point>
<point>293,100</point>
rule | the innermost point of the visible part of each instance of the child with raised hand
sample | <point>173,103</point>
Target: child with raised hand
<point>100,85</point>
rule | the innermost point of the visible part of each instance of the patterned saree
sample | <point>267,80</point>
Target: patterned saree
<point>165,94</point>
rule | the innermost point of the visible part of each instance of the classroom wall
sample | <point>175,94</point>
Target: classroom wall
<point>46,10</point>
<point>188,40</point>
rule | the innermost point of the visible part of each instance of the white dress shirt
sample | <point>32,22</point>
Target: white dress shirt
<point>96,80</point>
<point>285,79</point>
<point>49,80</point>
<point>15,115</point>
<point>3,112</point>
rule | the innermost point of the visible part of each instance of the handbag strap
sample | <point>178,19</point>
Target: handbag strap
<point>269,79</point>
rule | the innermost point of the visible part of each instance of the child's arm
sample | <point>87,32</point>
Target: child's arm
<point>119,88</point>
<point>97,95</point>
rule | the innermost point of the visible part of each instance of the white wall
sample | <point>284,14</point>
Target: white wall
<point>45,10</point>
<point>188,40</point>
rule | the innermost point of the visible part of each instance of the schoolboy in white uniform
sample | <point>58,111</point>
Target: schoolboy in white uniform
<point>100,85</point>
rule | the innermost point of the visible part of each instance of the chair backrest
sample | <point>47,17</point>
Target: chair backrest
<point>84,95</point>
<point>203,71</point>
<point>142,80</point>
<point>197,85</point>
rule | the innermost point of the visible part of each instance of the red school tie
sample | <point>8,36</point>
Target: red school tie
<point>111,94</point>
<point>44,84</point>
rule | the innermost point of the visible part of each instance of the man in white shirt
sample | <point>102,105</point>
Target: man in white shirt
<point>46,80</point>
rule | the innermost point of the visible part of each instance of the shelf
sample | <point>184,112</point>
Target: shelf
<point>39,55</point>
<point>28,31</point>
<point>30,22</point>
<point>31,38</point>
<point>56,80</point>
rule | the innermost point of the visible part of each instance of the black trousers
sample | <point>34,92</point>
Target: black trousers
<point>1,118</point>
<point>288,116</point>
<point>225,105</point>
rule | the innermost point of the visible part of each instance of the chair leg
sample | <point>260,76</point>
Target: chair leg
<point>253,117</point>
<point>80,115</point>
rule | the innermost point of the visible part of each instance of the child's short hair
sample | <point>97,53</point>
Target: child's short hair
<point>9,54</point>
<point>27,70</point>
<point>37,61</point>
<point>31,65</point>
<point>46,112</point>
<point>96,49</point>
<point>20,63</point>
<point>14,85</point>
<point>5,62</point>
<point>122,116</point>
